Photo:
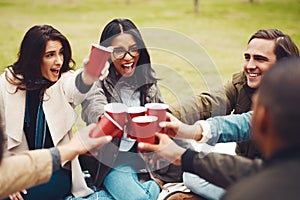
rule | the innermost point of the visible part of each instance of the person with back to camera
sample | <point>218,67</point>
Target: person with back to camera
<point>275,129</point>
<point>131,80</point>
<point>264,49</point>
<point>38,94</point>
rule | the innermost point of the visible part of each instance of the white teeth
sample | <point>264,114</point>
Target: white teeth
<point>128,65</point>
<point>253,75</point>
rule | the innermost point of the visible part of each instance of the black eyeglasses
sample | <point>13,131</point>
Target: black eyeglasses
<point>120,53</point>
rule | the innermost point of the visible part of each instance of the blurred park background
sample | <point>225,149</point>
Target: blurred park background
<point>219,30</point>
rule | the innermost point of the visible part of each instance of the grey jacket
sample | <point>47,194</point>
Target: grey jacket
<point>104,92</point>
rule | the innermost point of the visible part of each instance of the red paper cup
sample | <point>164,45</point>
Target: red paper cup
<point>159,110</point>
<point>144,128</point>
<point>98,57</point>
<point>134,111</point>
<point>107,126</point>
<point>117,111</point>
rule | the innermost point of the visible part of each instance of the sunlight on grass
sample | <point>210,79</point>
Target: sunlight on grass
<point>221,29</point>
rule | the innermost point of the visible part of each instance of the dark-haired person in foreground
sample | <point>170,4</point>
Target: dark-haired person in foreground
<point>275,129</point>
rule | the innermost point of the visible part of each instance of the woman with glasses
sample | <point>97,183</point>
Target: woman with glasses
<point>131,81</point>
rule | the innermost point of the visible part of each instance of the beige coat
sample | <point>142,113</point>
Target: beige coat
<point>24,171</point>
<point>59,102</point>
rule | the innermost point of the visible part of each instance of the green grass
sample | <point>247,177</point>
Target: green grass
<point>219,32</point>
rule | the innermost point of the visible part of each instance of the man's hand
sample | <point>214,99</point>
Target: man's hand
<point>166,149</point>
<point>179,130</point>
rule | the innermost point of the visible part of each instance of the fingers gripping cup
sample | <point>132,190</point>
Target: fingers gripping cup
<point>144,128</point>
<point>98,57</point>
<point>159,110</point>
<point>107,126</point>
<point>117,111</point>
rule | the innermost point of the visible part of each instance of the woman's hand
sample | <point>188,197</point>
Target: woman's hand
<point>82,143</point>
<point>88,79</point>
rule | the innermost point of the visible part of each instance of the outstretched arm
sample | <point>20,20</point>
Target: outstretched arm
<point>34,167</point>
<point>219,169</point>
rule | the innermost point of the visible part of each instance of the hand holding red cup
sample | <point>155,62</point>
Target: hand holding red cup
<point>97,60</point>
<point>107,126</point>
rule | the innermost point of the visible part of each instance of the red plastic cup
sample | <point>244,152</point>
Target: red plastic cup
<point>107,126</point>
<point>134,111</point>
<point>144,128</point>
<point>117,111</point>
<point>159,110</point>
<point>98,57</point>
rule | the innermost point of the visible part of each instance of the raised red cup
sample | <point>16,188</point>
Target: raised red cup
<point>144,128</point>
<point>97,59</point>
<point>117,111</point>
<point>159,110</point>
<point>107,126</point>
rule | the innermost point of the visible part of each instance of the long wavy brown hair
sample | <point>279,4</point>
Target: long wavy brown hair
<point>26,71</point>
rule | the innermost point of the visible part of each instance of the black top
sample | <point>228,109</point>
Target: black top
<point>33,99</point>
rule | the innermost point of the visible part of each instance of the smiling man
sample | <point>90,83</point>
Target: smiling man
<point>264,49</point>
<point>275,123</point>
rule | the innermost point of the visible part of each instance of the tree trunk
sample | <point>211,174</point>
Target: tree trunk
<point>196,6</point>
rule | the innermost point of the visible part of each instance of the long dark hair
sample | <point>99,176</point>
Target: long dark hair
<point>143,73</point>
<point>26,70</point>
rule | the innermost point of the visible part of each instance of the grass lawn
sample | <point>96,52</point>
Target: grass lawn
<point>190,52</point>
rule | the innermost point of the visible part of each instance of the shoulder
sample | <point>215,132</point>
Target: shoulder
<point>239,78</point>
<point>8,74</point>
<point>70,73</point>
<point>275,182</point>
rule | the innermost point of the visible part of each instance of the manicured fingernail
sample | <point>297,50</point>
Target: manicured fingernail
<point>162,124</point>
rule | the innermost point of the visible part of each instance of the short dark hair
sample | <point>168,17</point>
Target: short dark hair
<point>32,48</point>
<point>278,93</point>
<point>284,46</point>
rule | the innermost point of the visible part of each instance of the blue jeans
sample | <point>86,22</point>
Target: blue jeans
<point>201,187</point>
<point>99,195</point>
<point>122,183</point>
